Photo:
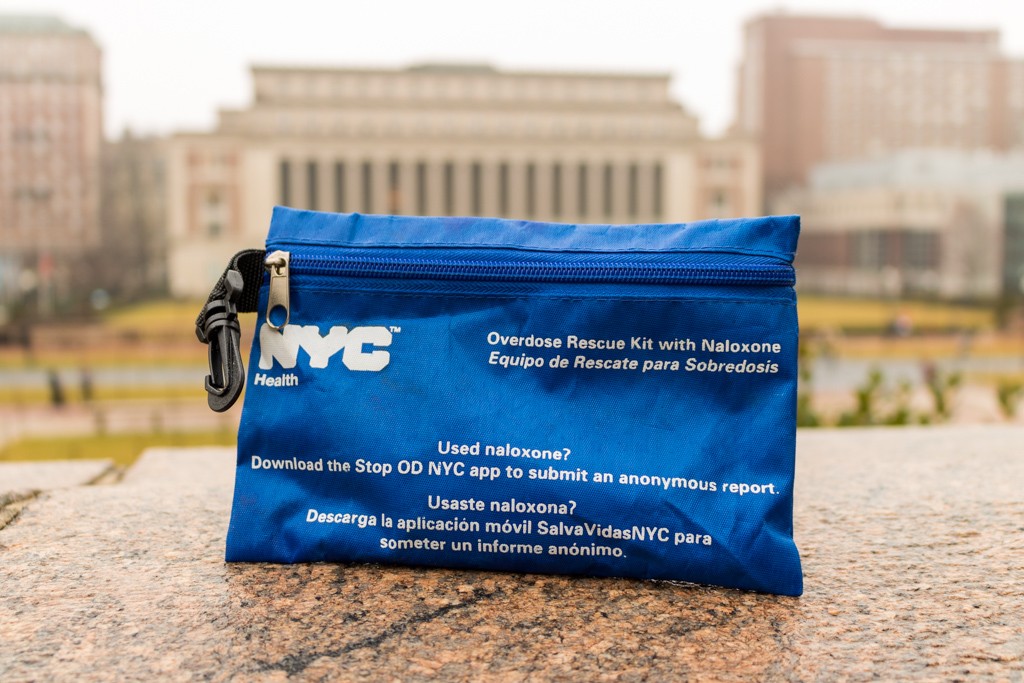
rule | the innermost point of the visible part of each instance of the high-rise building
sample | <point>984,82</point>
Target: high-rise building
<point>50,143</point>
<point>446,140</point>
<point>824,89</point>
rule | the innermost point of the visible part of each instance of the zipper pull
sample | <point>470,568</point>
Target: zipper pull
<point>277,265</point>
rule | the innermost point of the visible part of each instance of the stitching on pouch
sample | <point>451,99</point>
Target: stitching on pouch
<point>520,247</point>
<point>412,295</point>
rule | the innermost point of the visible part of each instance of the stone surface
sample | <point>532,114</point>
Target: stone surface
<point>50,474</point>
<point>211,468</point>
<point>911,539</point>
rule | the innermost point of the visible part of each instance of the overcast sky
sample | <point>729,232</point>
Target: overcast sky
<point>169,65</point>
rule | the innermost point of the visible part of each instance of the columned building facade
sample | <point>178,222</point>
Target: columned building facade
<point>446,140</point>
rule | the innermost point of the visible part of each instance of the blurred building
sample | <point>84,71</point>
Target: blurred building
<point>824,89</point>
<point>932,223</point>
<point>134,217</point>
<point>50,142</point>
<point>446,140</point>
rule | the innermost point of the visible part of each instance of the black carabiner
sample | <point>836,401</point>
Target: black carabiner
<point>222,334</point>
<point>237,291</point>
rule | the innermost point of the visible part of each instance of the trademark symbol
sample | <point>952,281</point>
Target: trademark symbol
<point>395,329</point>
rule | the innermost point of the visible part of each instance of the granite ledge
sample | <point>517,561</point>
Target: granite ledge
<point>912,552</point>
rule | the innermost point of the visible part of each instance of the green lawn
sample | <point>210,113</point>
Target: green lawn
<point>161,333</point>
<point>171,317</point>
<point>123,449</point>
<point>38,396</point>
<point>156,317</point>
<point>817,312</point>
<point>168,318</point>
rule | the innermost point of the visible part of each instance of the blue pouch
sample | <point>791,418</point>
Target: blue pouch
<point>516,396</point>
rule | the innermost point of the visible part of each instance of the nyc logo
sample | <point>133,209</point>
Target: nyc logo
<point>360,346</point>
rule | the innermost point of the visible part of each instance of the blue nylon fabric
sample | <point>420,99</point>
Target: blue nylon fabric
<point>682,474</point>
<point>769,235</point>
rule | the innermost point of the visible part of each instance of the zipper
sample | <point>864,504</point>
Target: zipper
<point>280,263</point>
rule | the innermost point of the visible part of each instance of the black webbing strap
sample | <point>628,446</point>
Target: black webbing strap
<point>237,291</point>
<point>249,264</point>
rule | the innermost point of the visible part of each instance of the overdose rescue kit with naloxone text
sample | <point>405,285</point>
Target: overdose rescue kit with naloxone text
<point>516,396</point>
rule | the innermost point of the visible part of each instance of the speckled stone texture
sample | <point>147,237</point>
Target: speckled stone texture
<point>913,546</point>
<point>49,475</point>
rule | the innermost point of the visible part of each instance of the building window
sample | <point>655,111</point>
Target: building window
<point>421,188</point>
<point>556,190</point>
<point>449,188</point>
<point>581,190</point>
<point>367,187</point>
<point>869,249</point>
<point>214,215</point>
<point>531,190</point>
<point>311,184</point>
<point>634,183</point>
<point>339,186</point>
<point>719,201</point>
<point>920,250</point>
<point>285,176</point>
<point>503,189</point>
<point>656,199</point>
<point>477,172</point>
<point>608,191</point>
<point>394,188</point>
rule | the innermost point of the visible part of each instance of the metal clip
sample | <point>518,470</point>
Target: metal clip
<point>222,334</point>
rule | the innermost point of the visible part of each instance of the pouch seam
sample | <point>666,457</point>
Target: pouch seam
<point>781,255</point>
<point>773,302</point>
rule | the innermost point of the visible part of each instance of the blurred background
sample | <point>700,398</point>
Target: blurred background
<point>141,146</point>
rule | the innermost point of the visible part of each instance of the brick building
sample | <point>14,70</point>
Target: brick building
<point>825,89</point>
<point>50,147</point>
